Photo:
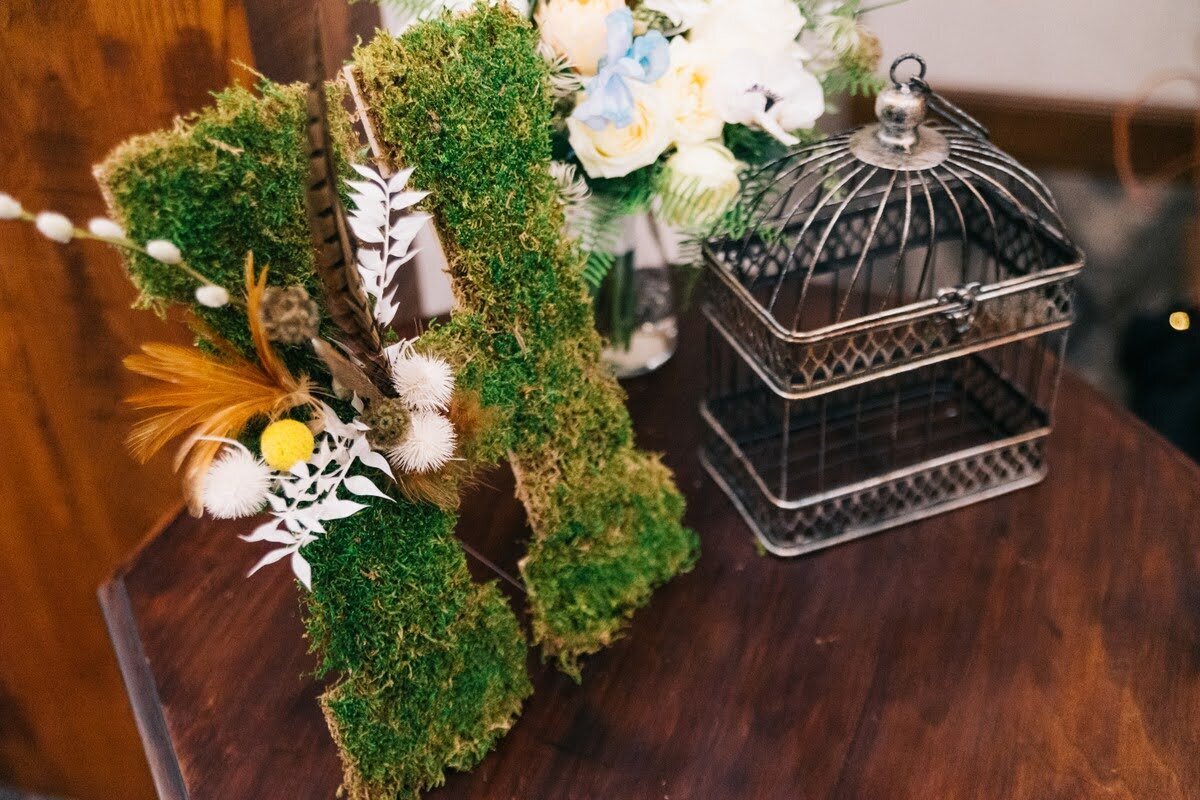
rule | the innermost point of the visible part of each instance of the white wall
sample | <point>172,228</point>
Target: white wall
<point>1100,50</point>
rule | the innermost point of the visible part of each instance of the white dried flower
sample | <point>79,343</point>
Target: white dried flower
<point>105,228</point>
<point>423,381</point>
<point>164,251</point>
<point>237,484</point>
<point>572,188</point>
<point>10,208</point>
<point>212,296</point>
<point>428,446</point>
<point>55,226</point>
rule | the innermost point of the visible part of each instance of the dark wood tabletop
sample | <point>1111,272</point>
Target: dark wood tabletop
<point>1045,644</point>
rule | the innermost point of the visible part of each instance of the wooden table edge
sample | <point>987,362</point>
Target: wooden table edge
<point>140,686</point>
<point>141,690</point>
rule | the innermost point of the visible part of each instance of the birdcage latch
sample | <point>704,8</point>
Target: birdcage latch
<point>961,304</point>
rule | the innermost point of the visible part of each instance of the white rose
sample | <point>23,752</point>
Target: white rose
<point>683,13</point>
<point>577,30</point>
<point>776,94</point>
<point>689,82</point>
<point>613,152</point>
<point>700,182</point>
<point>762,26</point>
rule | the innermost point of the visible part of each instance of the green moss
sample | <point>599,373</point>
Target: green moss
<point>431,664</point>
<point>221,183</point>
<point>429,667</point>
<point>464,99</point>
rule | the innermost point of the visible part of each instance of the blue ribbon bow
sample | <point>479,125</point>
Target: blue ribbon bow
<point>646,59</point>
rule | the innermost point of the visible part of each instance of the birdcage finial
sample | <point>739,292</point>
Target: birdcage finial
<point>901,107</point>
<point>898,140</point>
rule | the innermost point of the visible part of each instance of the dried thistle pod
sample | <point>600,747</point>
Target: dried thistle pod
<point>389,421</point>
<point>289,315</point>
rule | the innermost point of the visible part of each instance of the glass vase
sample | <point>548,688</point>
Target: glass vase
<point>635,305</point>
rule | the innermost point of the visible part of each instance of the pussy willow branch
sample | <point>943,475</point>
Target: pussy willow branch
<point>134,247</point>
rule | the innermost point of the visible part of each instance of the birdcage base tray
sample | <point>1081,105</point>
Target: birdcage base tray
<point>898,498</point>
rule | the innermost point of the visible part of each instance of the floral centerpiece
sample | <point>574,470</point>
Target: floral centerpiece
<point>662,105</point>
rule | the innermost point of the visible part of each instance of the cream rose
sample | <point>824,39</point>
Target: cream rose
<point>577,30</point>
<point>762,26</point>
<point>700,182</point>
<point>613,152</point>
<point>690,83</point>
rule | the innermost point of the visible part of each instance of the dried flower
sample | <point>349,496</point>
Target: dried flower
<point>429,445</point>
<point>212,296</point>
<point>289,315</point>
<point>869,51</point>
<point>9,207</point>
<point>164,251</point>
<point>572,188</point>
<point>286,443</point>
<point>389,423</point>
<point>423,381</point>
<point>55,226</point>
<point>237,484</point>
<point>105,228</point>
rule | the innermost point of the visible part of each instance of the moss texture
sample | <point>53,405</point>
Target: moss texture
<point>464,99</point>
<point>430,667</point>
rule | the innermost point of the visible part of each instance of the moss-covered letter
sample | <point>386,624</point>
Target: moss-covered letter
<point>464,99</point>
<point>430,666</point>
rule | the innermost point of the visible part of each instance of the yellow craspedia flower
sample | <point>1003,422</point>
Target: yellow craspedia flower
<point>286,443</point>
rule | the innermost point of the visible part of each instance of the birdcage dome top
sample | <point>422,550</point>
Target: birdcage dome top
<point>897,214</point>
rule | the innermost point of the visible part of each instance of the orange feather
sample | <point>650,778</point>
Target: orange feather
<point>200,395</point>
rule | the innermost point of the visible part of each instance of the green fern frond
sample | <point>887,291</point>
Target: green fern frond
<point>596,268</point>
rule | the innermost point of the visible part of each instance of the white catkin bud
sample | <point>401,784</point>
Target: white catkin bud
<point>105,228</point>
<point>55,226</point>
<point>164,251</point>
<point>212,296</point>
<point>9,207</point>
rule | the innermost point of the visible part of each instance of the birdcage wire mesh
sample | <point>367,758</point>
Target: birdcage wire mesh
<point>888,314</point>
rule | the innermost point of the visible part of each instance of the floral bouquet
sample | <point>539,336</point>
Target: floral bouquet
<point>662,105</point>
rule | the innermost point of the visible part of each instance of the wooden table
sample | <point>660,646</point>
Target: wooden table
<point>1043,645</point>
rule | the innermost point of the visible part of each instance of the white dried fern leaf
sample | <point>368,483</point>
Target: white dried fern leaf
<point>385,225</point>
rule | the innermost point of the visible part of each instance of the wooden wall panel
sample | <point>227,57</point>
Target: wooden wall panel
<point>77,77</point>
<point>281,34</point>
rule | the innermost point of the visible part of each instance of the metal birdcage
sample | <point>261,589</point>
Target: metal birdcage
<point>886,332</point>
